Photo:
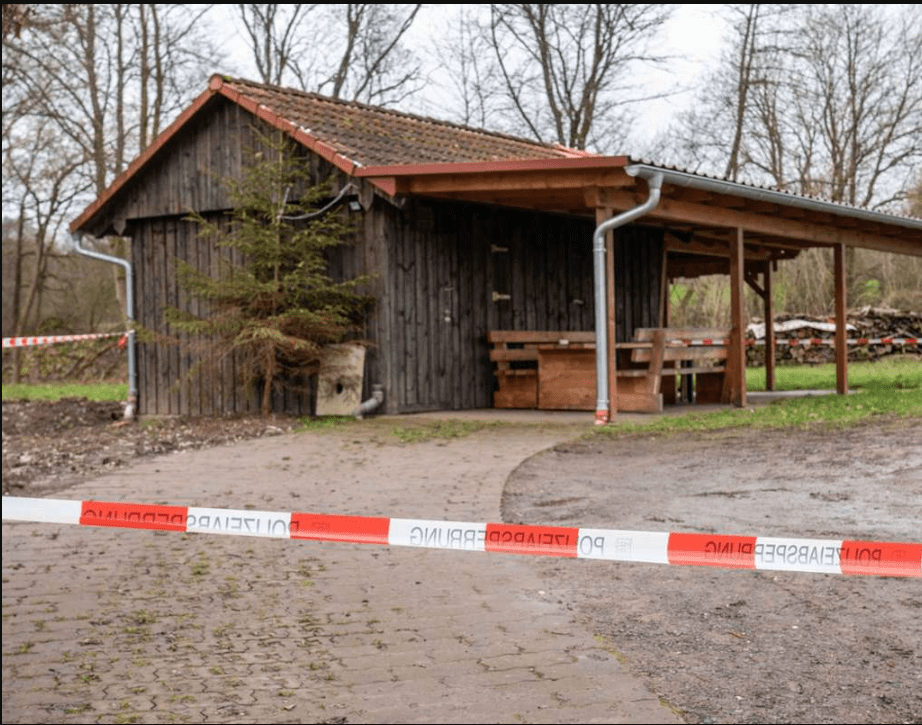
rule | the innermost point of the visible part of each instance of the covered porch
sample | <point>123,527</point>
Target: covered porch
<point>709,226</point>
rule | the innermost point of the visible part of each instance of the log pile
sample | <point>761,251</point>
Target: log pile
<point>867,323</point>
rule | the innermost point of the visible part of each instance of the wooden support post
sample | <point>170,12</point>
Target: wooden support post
<point>769,328</point>
<point>735,389</point>
<point>841,322</point>
<point>604,214</point>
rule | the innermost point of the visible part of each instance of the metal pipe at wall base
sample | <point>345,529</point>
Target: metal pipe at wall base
<point>132,403</point>
<point>655,184</point>
<point>373,403</point>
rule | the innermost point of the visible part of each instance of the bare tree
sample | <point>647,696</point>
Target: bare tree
<point>353,51</point>
<point>737,104</point>
<point>84,88</point>
<point>823,100</point>
<point>827,100</point>
<point>565,71</point>
<point>864,92</point>
<point>37,176</point>
<point>15,17</point>
<point>277,37</point>
<point>464,55</point>
<point>115,73</point>
<point>914,199</point>
<point>374,66</point>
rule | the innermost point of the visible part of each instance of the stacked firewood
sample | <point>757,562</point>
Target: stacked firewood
<point>874,332</point>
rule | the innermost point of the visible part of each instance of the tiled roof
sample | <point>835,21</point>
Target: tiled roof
<point>372,136</point>
<point>350,135</point>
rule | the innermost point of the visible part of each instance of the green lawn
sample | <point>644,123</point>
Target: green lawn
<point>890,388</point>
<point>56,391</point>
<point>891,372</point>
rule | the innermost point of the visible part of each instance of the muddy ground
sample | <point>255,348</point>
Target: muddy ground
<point>742,646</point>
<point>48,446</point>
<point>718,646</point>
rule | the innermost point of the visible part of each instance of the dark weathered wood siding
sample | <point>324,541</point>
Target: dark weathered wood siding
<point>444,273</point>
<point>186,176</point>
<point>189,174</point>
<point>458,270</point>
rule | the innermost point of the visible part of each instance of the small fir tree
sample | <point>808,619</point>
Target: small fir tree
<point>277,311</point>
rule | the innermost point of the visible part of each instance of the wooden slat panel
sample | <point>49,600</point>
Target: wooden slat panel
<point>717,334</point>
<point>518,271</point>
<point>566,379</point>
<point>447,320</point>
<point>676,353</point>
<point>481,301</point>
<point>424,370</point>
<point>409,294</point>
<point>172,299</point>
<point>467,373</point>
<point>147,369</point>
<point>517,392</point>
<point>194,387</point>
<point>163,371</point>
<point>540,336</point>
<point>514,355</point>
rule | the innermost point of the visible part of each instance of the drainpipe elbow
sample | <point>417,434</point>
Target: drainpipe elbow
<point>372,404</point>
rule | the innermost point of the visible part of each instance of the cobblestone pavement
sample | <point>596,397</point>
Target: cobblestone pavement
<point>121,626</point>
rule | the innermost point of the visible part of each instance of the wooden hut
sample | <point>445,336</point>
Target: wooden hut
<point>466,232</point>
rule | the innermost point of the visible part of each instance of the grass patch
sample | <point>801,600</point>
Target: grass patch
<point>894,372</point>
<point>439,430</point>
<point>56,391</point>
<point>874,402</point>
<point>324,423</point>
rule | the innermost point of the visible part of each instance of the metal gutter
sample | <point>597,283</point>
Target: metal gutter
<point>129,313</point>
<point>732,188</point>
<point>655,183</point>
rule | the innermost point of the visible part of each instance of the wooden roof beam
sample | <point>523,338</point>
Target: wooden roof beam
<point>522,182</point>
<point>816,234</point>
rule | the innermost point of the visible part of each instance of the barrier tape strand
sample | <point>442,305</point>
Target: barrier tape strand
<point>821,556</point>
<point>797,341</point>
<point>57,339</point>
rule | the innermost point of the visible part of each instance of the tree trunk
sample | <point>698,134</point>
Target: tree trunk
<point>269,371</point>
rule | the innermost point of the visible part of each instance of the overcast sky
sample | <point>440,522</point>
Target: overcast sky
<point>693,36</point>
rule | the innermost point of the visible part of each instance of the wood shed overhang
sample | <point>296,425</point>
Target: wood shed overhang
<point>699,212</point>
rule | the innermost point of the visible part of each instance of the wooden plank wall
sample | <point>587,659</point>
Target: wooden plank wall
<point>188,176</point>
<point>639,255</point>
<point>448,260</point>
<point>434,307</point>
<point>438,265</point>
<point>165,385</point>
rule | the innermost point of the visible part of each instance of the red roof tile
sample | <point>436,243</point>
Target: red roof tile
<point>372,136</point>
<point>350,135</point>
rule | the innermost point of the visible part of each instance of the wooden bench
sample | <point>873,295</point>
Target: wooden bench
<point>656,354</point>
<point>555,370</point>
<point>518,355</point>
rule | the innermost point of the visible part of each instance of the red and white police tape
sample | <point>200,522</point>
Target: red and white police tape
<point>822,556</point>
<point>795,341</point>
<point>55,339</point>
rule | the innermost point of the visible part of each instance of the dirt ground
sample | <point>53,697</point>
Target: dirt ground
<point>718,646</point>
<point>743,646</point>
<point>48,446</point>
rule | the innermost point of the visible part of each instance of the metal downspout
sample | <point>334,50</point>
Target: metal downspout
<point>372,404</point>
<point>655,183</point>
<point>129,312</point>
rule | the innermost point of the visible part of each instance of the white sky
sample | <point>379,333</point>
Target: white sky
<point>693,36</point>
